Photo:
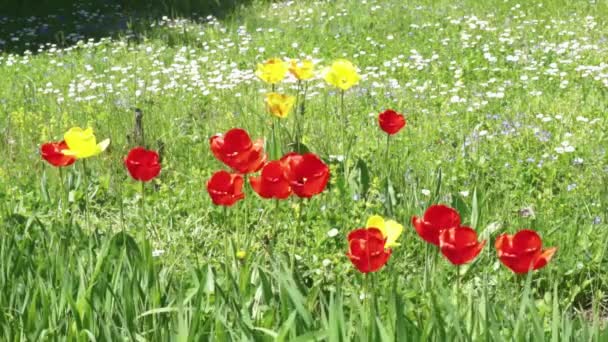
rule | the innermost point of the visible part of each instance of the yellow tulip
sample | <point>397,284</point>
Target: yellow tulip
<point>82,143</point>
<point>279,105</point>
<point>272,71</point>
<point>342,74</point>
<point>303,70</point>
<point>390,229</point>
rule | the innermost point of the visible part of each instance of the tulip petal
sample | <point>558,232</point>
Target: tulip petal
<point>376,221</point>
<point>543,259</point>
<point>102,146</point>
<point>392,232</point>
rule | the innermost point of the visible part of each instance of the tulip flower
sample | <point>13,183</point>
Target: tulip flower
<point>272,71</point>
<point>523,251</point>
<point>142,164</point>
<point>53,153</point>
<point>436,219</point>
<point>391,230</point>
<point>307,174</point>
<point>271,183</point>
<point>391,122</point>
<point>459,245</point>
<point>83,144</point>
<point>236,150</point>
<point>366,249</point>
<point>302,71</point>
<point>225,188</point>
<point>342,74</point>
<point>279,105</point>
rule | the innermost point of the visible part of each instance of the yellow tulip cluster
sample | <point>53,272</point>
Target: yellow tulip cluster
<point>342,74</point>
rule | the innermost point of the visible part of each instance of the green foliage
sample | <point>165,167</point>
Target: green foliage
<point>174,274</point>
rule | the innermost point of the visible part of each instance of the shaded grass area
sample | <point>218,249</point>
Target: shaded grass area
<point>27,25</point>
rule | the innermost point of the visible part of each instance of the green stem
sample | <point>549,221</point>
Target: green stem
<point>142,207</point>
<point>296,120</point>
<point>64,196</point>
<point>388,173</point>
<point>226,242</point>
<point>86,193</point>
<point>294,243</point>
<point>344,125</point>
<point>458,282</point>
<point>366,306</point>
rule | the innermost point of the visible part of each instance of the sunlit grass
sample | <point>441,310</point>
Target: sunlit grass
<point>505,122</point>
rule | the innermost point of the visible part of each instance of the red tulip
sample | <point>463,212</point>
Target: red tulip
<point>459,245</point>
<point>366,249</point>
<point>236,150</point>
<point>523,252</point>
<point>53,153</point>
<point>271,183</point>
<point>391,122</point>
<point>436,219</point>
<point>307,174</point>
<point>142,164</point>
<point>225,188</point>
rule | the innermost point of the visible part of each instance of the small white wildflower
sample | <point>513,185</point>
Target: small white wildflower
<point>333,232</point>
<point>326,262</point>
<point>158,252</point>
<point>426,192</point>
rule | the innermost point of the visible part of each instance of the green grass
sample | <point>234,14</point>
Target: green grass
<point>69,278</point>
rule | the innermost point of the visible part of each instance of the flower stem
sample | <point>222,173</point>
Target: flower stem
<point>388,173</point>
<point>458,281</point>
<point>294,243</point>
<point>344,124</point>
<point>366,306</point>
<point>296,120</point>
<point>86,193</point>
<point>142,204</point>
<point>64,196</point>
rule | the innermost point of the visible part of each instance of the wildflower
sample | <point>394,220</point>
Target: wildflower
<point>332,232</point>
<point>241,254</point>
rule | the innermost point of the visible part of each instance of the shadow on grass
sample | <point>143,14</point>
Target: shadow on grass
<point>30,24</point>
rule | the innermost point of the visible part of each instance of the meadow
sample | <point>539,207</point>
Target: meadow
<point>506,123</point>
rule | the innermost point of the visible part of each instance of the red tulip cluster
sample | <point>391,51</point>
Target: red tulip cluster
<point>143,165</point>
<point>441,226</point>
<point>303,175</point>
